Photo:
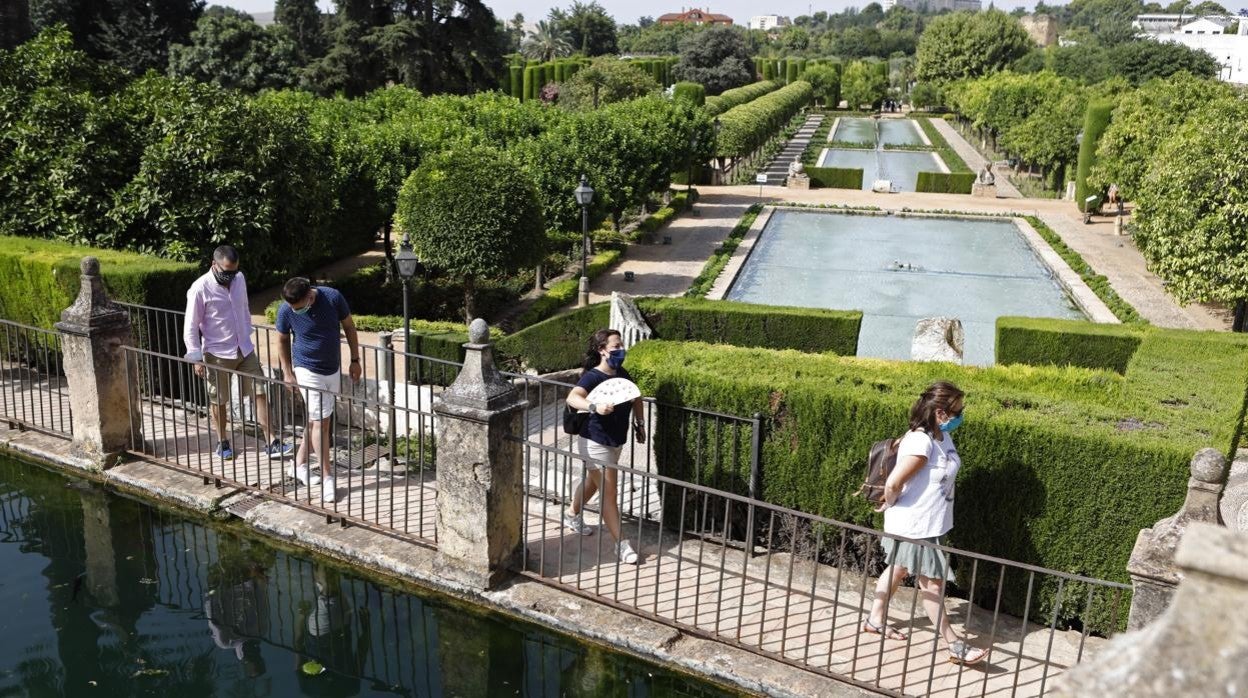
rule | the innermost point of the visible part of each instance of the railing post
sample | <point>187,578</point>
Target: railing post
<point>756,475</point>
<point>94,331</point>
<point>480,470</point>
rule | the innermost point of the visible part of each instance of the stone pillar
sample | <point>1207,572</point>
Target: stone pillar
<point>1197,647</point>
<point>480,471</point>
<point>1154,575</point>
<point>626,318</point>
<point>105,400</point>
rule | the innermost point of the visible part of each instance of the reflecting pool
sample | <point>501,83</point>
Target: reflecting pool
<point>900,167</point>
<point>899,270</point>
<point>105,596</point>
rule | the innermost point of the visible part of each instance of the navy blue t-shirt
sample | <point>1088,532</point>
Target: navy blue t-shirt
<point>316,345</point>
<point>610,429</point>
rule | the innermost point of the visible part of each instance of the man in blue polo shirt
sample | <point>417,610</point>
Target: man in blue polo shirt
<point>314,314</point>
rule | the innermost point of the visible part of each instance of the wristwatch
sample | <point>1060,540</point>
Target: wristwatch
<point>593,409</point>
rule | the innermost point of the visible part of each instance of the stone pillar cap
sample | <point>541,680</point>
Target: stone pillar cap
<point>479,384</point>
<point>92,311</point>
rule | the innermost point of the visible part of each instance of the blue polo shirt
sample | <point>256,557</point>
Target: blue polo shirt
<point>316,345</point>
<point>610,429</point>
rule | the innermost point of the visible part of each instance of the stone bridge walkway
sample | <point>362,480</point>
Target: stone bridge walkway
<point>694,577</point>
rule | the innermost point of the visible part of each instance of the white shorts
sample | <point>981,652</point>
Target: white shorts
<point>319,398</point>
<point>597,451</point>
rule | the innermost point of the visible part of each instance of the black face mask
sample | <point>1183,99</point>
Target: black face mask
<point>224,277</point>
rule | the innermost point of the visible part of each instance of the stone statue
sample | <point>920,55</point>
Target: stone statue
<point>796,167</point>
<point>986,176</point>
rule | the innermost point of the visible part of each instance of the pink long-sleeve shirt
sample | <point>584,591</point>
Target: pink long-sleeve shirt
<point>218,319</point>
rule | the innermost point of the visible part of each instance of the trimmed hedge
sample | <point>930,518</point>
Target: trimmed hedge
<point>40,278</point>
<point>740,95</point>
<point>746,127</point>
<point>564,292</point>
<point>1050,342</point>
<point>557,343</point>
<point>945,182</point>
<point>1041,447</point>
<point>691,92</point>
<point>953,161</point>
<point>661,217</point>
<point>1095,121</point>
<point>751,325</point>
<point>836,177</point>
<point>1099,284</point>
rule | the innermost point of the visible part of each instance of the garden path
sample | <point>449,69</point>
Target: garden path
<point>974,160</point>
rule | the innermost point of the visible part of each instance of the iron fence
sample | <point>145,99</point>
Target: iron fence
<point>384,481</point>
<point>799,588</point>
<point>34,394</point>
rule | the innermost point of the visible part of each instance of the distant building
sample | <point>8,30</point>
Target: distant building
<point>695,16</point>
<point>1041,28</point>
<point>1182,24</point>
<point>768,22</point>
<point>935,5</point>
<point>1229,50</point>
<point>264,19</point>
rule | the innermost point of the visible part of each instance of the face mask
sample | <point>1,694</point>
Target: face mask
<point>302,311</point>
<point>615,358</point>
<point>224,277</point>
<point>950,425</point>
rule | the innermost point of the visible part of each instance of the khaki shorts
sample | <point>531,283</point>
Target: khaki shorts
<point>219,382</point>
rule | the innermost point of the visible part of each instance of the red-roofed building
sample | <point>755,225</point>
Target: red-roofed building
<point>695,16</point>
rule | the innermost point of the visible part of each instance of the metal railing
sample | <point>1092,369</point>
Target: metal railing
<point>383,482</point>
<point>34,394</point>
<point>799,588</point>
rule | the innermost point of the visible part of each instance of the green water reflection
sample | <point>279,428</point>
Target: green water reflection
<point>104,596</point>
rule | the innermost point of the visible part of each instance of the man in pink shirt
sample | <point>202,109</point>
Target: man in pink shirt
<point>218,334</point>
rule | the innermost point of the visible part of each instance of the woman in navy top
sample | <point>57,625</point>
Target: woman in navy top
<point>602,438</point>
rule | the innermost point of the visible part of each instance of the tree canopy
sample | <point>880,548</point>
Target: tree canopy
<point>229,49</point>
<point>717,58</point>
<point>589,28</point>
<point>605,81</point>
<point>966,45</point>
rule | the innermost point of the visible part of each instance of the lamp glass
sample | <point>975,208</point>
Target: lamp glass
<point>407,262</point>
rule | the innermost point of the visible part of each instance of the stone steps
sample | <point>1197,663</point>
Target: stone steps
<point>777,170</point>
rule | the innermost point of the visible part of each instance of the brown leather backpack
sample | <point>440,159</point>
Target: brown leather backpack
<point>880,463</point>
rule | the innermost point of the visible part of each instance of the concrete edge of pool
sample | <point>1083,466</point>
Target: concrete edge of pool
<point>406,563</point>
<point>1067,279</point>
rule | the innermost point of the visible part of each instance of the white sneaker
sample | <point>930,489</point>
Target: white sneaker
<point>577,524</point>
<point>300,473</point>
<point>626,553</point>
<point>328,490</point>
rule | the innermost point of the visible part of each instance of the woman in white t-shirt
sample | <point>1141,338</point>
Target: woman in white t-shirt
<point>918,503</point>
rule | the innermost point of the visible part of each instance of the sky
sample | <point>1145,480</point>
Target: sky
<point>627,11</point>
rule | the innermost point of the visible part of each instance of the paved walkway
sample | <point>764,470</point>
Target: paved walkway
<point>974,160</point>
<point>669,270</point>
<point>690,574</point>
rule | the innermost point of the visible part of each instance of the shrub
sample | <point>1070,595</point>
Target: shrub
<point>40,278</point>
<point>1042,445</point>
<point>1095,121</point>
<point>1050,342</point>
<point>945,182</point>
<point>553,344</point>
<point>836,177</point>
<point>751,325</point>
<point>691,92</point>
<point>564,292</point>
<point>740,95</point>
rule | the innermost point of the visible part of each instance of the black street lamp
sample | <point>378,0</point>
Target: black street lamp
<point>408,264</point>
<point>584,196</point>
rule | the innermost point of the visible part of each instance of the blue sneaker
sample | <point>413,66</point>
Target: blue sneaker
<point>277,449</point>
<point>224,450</point>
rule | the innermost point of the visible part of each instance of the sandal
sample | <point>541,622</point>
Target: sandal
<point>882,629</point>
<point>962,653</point>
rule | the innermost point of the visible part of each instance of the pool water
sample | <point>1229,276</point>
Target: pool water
<point>900,167</point>
<point>899,270</point>
<point>105,596</point>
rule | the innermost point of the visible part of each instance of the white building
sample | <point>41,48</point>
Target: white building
<point>1229,50</point>
<point>1154,24</point>
<point>768,22</point>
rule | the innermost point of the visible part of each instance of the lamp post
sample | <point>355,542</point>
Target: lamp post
<point>408,264</point>
<point>718,160</point>
<point>584,196</point>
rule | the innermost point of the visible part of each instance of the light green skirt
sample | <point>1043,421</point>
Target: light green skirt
<point>919,560</point>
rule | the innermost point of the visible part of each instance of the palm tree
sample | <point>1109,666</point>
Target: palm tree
<point>546,42</point>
